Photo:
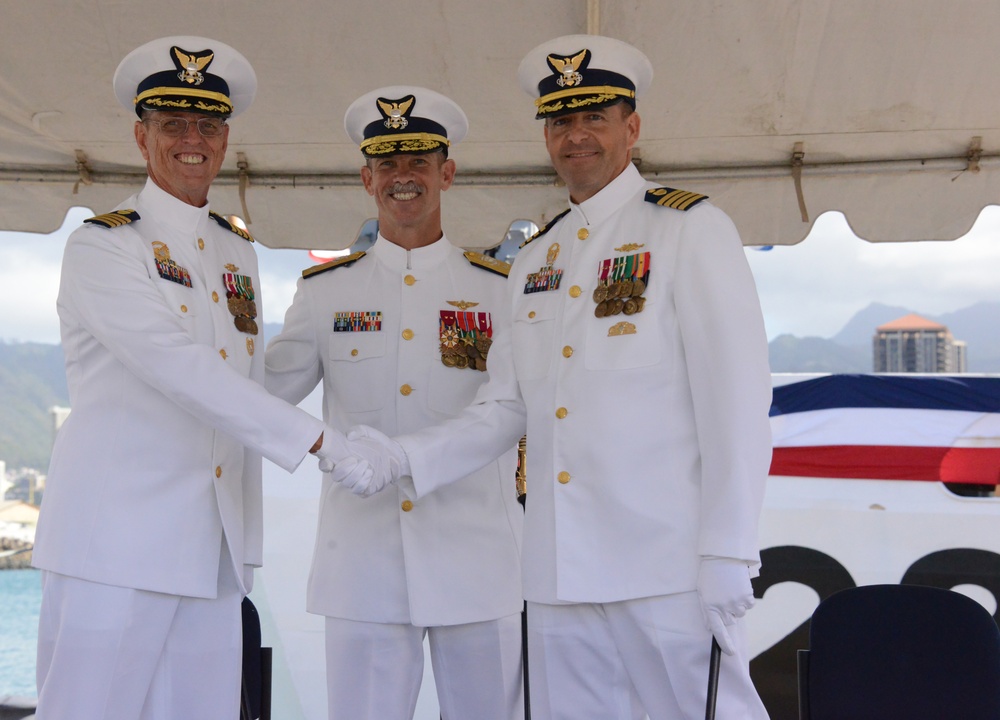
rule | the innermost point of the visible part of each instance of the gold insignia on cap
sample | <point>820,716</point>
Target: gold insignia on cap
<point>568,68</point>
<point>191,64</point>
<point>461,304</point>
<point>395,111</point>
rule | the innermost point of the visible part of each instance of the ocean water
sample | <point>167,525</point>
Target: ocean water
<point>20,599</point>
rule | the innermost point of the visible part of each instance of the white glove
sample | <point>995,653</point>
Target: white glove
<point>382,455</point>
<point>333,450</point>
<point>726,594</point>
<point>335,454</point>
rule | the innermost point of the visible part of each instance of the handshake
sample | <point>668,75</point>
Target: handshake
<point>364,461</point>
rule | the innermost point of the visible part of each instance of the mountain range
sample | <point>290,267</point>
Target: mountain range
<point>32,378</point>
<point>851,349</point>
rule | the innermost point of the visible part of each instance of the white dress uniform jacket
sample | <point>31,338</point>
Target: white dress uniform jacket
<point>648,436</point>
<point>451,557</point>
<point>159,460</point>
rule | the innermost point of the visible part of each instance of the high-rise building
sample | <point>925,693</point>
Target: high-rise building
<point>913,344</point>
<point>959,357</point>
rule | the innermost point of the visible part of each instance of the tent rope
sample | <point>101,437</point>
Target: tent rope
<point>798,153</point>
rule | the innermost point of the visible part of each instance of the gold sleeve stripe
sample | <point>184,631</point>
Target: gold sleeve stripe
<point>114,219</point>
<point>230,226</point>
<point>335,263</point>
<point>545,229</point>
<point>676,199</point>
<point>487,263</point>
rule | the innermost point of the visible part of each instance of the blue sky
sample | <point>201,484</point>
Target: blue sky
<point>812,288</point>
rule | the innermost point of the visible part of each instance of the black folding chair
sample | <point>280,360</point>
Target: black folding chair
<point>900,651</point>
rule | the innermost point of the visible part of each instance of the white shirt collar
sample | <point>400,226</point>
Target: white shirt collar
<point>165,208</point>
<point>400,259</point>
<point>611,197</point>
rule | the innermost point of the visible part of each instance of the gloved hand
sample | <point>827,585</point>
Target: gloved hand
<point>380,453</point>
<point>726,594</point>
<point>335,454</point>
<point>333,450</point>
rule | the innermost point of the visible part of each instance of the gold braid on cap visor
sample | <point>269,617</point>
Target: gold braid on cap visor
<point>602,93</point>
<point>405,142</point>
<point>226,106</point>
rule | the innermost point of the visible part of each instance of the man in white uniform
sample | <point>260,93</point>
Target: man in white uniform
<point>638,350</point>
<point>151,523</point>
<point>400,337</point>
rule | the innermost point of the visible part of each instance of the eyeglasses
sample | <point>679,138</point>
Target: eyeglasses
<point>176,127</point>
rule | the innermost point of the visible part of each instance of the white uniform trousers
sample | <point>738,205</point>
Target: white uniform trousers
<point>624,660</point>
<point>374,670</point>
<point>113,653</point>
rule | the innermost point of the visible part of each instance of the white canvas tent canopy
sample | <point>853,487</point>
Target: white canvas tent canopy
<point>887,110</point>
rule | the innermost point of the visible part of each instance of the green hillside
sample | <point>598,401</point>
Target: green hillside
<point>32,380</point>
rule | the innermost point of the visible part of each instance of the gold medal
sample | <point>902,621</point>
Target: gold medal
<point>461,361</point>
<point>638,287</point>
<point>625,288</point>
<point>246,325</point>
<point>616,308</point>
<point>631,307</point>
<point>449,360</point>
<point>600,293</point>
<point>602,309</point>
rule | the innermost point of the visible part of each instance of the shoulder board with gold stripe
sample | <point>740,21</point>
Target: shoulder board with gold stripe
<point>545,229</point>
<point>229,226</point>
<point>676,199</point>
<point>114,219</point>
<point>487,263</point>
<point>332,264</point>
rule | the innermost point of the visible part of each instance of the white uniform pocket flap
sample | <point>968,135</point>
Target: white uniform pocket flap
<point>356,346</point>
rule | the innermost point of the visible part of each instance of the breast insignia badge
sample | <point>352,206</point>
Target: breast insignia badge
<point>548,277</point>
<point>167,268</point>
<point>622,328</point>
